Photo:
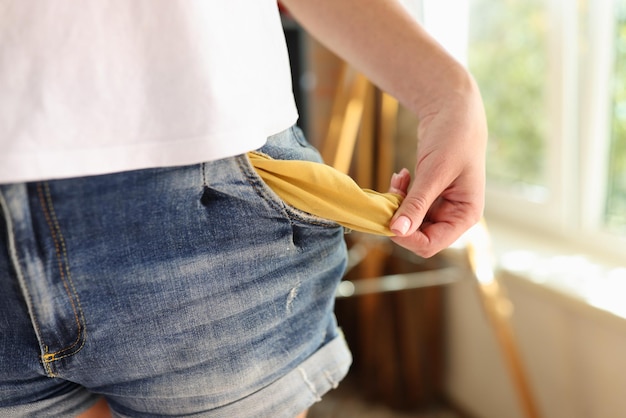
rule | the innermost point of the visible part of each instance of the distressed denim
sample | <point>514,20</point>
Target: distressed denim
<point>178,291</point>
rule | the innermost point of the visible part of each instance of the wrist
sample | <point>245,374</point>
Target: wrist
<point>453,84</point>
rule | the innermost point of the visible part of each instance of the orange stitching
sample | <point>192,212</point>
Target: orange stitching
<point>65,274</point>
<point>26,291</point>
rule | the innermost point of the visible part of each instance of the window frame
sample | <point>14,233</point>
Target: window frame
<point>579,108</point>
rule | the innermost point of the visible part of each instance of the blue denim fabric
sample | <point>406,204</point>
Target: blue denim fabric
<point>183,291</point>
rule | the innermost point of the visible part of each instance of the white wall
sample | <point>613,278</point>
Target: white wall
<point>575,354</point>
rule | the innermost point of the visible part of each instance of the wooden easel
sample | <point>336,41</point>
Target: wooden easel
<point>357,100</point>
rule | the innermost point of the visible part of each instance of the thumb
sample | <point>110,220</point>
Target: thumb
<point>420,197</point>
<point>410,214</point>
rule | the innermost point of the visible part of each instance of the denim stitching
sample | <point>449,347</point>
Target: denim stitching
<point>308,383</point>
<point>45,200</point>
<point>24,288</point>
<point>204,179</point>
<point>257,183</point>
<point>254,183</point>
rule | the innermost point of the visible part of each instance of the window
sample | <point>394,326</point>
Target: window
<point>508,56</point>
<point>553,78</point>
<point>616,196</point>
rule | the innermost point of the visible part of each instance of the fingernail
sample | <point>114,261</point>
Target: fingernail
<point>401,225</point>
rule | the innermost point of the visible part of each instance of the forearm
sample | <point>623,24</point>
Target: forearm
<point>380,39</point>
<point>384,42</point>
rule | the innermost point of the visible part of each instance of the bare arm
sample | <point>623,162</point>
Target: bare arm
<point>379,38</point>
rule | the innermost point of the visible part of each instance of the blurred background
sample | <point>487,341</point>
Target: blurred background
<point>553,78</point>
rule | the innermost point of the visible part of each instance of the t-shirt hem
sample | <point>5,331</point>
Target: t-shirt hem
<point>51,165</point>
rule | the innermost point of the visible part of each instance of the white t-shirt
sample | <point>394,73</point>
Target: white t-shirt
<point>101,86</point>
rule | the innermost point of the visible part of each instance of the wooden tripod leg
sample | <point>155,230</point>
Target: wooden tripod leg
<point>331,142</point>
<point>498,309</point>
<point>388,115</point>
<point>346,118</point>
<point>365,161</point>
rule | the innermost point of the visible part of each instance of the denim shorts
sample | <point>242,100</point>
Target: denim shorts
<point>180,291</point>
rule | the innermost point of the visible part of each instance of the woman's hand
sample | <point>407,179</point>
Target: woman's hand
<point>447,194</point>
<point>382,40</point>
